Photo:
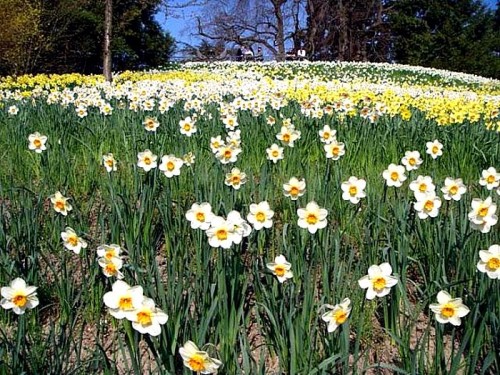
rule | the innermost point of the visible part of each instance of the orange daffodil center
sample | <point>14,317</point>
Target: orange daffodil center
<point>144,318</point>
<point>493,263</point>
<point>340,316</point>
<point>20,300</point>
<point>221,234</point>
<point>312,219</point>
<point>279,270</point>
<point>125,303</point>
<point>197,363</point>
<point>379,283</point>
<point>448,310</point>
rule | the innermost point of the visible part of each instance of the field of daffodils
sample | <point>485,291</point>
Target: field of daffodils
<point>239,218</point>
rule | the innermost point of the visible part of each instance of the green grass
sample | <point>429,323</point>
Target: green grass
<point>228,297</point>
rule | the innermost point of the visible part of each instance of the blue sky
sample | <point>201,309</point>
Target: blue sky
<point>183,25</point>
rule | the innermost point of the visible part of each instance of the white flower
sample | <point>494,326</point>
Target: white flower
<point>490,178</point>
<point>230,121</point>
<point>18,296</point>
<point>281,268</point>
<point>427,205</point>
<point>353,189</point>
<point>327,135</point>
<point>274,153</point>
<point>270,120</point>
<point>453,189</point>
<point>188,126</point>
<point>434,148</point>
<point>234,138</point>
<point>240,227</point>
<point>312,217</point>
<point>294,188</point>
<point>227,154</point>
<point>216,143</point>
<point>123,299</point>
<point>334,150</point>
<point>288,135</point>
<point>200,215</point>
<point>81,111</point>
<point>197,360</point>
<point>151,124</point>
<point>260,215</point>
<point>378,282</point>
<point>221,233</point>
<point>111,267</point>
<point>489,262</point>
<point>13,110</point>
<point>171,165</point>
<point>394,175</point>
<point>188,159</point>
<point>60,203</point>
<point>37,142</point>
<point>411,160</point>
<point>106,109</point>
<point>449,310</point>
<point>72,241</point>
<point>109,251</point>
<point>146,160</point>
<point>337,315</point>
<point>109,162</point>
<point>235,178</point>
<point>483,215</point>
<point>147,318</point>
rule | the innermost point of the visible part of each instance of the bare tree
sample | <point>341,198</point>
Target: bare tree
<point>270,23</point>
<point>348,29</point>
<point>108,19</point>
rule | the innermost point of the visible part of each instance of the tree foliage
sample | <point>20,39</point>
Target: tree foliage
<point>451,34</point>
<point>459,35</point>
<point>67,36</point>
<point>19,34</point>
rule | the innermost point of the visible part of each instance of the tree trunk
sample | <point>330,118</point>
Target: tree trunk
<point>280,29</point>
<point>108,18</point>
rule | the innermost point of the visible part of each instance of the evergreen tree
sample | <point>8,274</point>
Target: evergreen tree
<point>449,34</point>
